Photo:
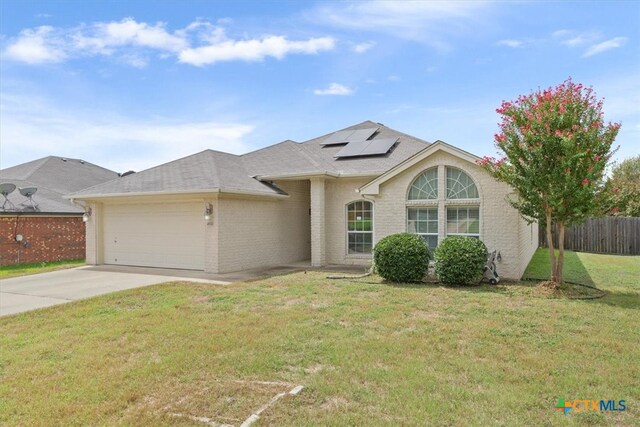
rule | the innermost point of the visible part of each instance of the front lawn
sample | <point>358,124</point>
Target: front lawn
<point>37,267</point>
<point>367,353</point>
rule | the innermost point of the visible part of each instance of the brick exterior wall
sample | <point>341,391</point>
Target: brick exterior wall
<point>501,227</point>
<point>48,238</point>
<point>258,232</point>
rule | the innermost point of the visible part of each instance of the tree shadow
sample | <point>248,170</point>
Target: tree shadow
<point>574,269</point>
<point>628,300</point>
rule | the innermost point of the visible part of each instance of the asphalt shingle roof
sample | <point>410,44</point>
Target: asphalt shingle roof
<point>214,170</point>
<point>53,177</point>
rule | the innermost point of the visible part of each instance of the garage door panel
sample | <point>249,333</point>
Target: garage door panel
<point>155,235</point>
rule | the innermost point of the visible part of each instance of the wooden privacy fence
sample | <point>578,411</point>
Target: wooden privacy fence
<point>607,235</point>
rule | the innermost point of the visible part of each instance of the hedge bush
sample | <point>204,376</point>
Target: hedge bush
<point>460,260</point>
<point>402,257</point>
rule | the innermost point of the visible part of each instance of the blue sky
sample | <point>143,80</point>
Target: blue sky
<point>129,85</point>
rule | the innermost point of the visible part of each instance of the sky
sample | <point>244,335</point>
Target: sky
<point>132,84</point>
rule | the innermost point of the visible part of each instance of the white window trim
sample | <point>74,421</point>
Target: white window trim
<point>466,206</point>
<point>346,226</point>
<point>435,200</point>
<point>442,203</point>
<point>424,206</point>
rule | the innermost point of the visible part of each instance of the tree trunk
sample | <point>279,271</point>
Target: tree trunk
<point>560,263</point>
<point>552,253</point>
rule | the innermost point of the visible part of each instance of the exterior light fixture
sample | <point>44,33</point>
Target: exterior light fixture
<point>208,212</point>
<point>86,215</point>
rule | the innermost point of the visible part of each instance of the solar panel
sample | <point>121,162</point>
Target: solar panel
<point>367,148</point>
<point>344,136</point>
<point>362,134</point>
<point>379,146</point>
<point>340,137</point>
<point>353,149</point>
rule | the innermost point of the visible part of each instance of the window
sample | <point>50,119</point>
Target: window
<point>424,221</point>
<point>460,185</point>
<point>463,221</point>
<point>428,195</point>
<point>425,186</point>
<point>360,227</point>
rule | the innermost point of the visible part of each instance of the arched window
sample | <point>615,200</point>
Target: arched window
<point>425,186</point>
<point>359,227</point>
<point>459,218</point>
<point>460,185</point>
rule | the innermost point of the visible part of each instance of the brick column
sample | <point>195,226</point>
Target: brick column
<point>94,252</point>
<point>212,237</point>
<point>318,237</point>
<point>442,197</point>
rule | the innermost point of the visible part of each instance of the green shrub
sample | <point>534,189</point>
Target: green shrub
<point>460,260</point>
<point>402,257</point>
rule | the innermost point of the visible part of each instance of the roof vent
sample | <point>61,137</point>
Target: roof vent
<point>6,189</point>
<point>82,162</point>
<point>63,159</point>
<point>127,173</point>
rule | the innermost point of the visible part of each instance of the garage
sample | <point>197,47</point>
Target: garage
<point>167,235</point>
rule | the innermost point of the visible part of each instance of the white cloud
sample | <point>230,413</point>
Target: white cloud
<point>253,49</point>
<point>131,42</point>
<point>129,32</point>
<point>604,46</point>
<point>334,89</point>
<point>429,22</point>
<point>574,39</point>
<point>33,127</point>
<point>363,47</point>
<point>36,46</point>
<point>511,43</point>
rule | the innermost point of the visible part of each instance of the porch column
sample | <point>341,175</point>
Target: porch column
<point>94,235</point>
<point>318,239</point>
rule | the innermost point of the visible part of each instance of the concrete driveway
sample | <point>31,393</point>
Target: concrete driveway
<point>26,293</point>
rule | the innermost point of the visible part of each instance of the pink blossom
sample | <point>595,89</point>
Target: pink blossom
<point>585,182</point>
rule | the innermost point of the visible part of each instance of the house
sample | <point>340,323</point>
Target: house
<point>36,223</point>
<point>327,200</point>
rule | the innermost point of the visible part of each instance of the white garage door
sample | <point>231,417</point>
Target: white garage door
<point>168,235</point>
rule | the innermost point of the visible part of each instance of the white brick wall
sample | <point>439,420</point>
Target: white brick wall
<point>264,232</point>
<point>318,223</point>
<point>339,193</point>
<point>93,248</point>
<point>501,227</point>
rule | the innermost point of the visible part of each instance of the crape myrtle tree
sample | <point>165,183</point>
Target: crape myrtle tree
<point>554,148</point>
<point>623,189</point>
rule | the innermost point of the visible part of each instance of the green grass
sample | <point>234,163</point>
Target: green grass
<point>368,353</point>
<point>37,267</point>
<point>574,268</point>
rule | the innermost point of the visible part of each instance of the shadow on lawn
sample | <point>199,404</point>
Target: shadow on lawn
<point>574,270</point>
<point>619,299</point>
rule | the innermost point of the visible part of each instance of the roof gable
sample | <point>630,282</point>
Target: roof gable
<point>373,187</point>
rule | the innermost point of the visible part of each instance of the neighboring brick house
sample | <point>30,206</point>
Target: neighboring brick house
<point>327,200</point>
<point>45,227</point>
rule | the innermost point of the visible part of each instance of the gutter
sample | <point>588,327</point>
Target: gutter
<point>172,192</point>
<point>316,175</point>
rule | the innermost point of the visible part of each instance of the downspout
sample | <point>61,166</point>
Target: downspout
<point>78,204</point>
